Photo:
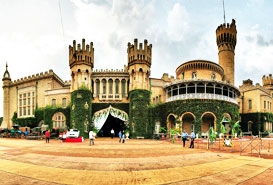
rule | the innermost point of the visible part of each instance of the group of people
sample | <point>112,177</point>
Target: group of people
<point>121,135</point>
<point>185,136</point>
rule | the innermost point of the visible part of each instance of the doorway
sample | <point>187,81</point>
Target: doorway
<point>111,123</point>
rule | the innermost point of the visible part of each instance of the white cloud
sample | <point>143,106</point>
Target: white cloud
<point>37,33</point>
<point>177,23</point>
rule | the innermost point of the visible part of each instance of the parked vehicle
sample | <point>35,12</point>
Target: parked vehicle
<point>35,133</point>
<point>4,132</point>
<point>62,135</point>
<point>73,133</point>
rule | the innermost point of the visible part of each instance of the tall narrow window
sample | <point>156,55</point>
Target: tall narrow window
<point>194,75</point>
<point>249,104</point>
<point>110,81</point>
<point>103,86</point>
<point>64,102</point>
<point>53,102</point>
<point>123,86</point>
<point>97,87</point>
<point>116,86</point>
<point>212,76</point>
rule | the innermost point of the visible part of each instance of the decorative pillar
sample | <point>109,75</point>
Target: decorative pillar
<point>95,88</point>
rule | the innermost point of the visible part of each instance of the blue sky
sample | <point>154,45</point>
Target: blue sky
<point>35,34</point>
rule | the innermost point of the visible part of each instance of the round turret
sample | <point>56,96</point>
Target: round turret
<point>226,42</point>
<point>6,97</point>
<point>267,81</point>
<point>6,78</point>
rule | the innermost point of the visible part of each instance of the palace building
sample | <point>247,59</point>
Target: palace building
<point>200,96</point>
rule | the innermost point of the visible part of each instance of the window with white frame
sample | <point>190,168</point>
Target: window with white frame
<point>26,102</point>
<point>59,120</point>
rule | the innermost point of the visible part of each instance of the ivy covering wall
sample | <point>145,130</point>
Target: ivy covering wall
<point>49,112</point>
<point>42,114</point>
<point>99,106</point>
<point>160,112</point>
<point>30,121</point>
<point>81,108</point>
<point>139,113</point>
<point>257,121</point>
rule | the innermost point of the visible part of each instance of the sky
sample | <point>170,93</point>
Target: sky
<point>35,34</point>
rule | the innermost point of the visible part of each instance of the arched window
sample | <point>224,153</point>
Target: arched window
<point>213,76</point>
<point>64,102</point>
<point>194,75</point>
<point>53,102</point>
<point>97,87</point>
<point>116,86</point>
<point>59,120</point>
<point>110,81</point>
<point>103,86</point>
<point>123,86</point>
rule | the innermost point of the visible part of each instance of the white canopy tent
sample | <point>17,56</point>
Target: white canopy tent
<point>100,117</point>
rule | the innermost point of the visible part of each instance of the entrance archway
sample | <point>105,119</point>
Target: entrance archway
<point>187,122</point>
<point>106,119</point>
<point>171,122</point>
<point>208,120</point>
<point>111,123</point>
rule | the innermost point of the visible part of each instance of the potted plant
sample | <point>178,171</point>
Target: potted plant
<point>236,129</point>
<point>95,131</point>
<point>162,132</point>
<point>174,133</point>
<point>127,133</point>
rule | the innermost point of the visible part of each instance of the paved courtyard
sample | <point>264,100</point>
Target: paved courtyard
<point>133,162</point>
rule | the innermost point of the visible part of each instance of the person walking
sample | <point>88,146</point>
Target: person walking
<point>192,136</point>
<point>112,133</point>
<point>120,136</point>
<point>184,137</point>
<point>91,138</point>
<point>123,137</point>
<point>47,135</point>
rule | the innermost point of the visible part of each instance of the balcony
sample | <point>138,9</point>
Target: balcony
<point>201,96</point>
<point>110,97</point>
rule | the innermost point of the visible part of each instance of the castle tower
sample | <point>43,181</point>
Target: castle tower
<point>81,62</point>
<point>267,82</point>
<point>139,64</point>
<point>6,98</point>
<point>226,42</point>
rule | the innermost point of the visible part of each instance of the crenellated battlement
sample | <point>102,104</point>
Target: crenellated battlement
<point>231,26</point>
<point>138,53</point>
<point>226,36</point>
<point>267,80</point>
<point>38,76</point>
<point>110,71</point>
<point>81,54</point>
